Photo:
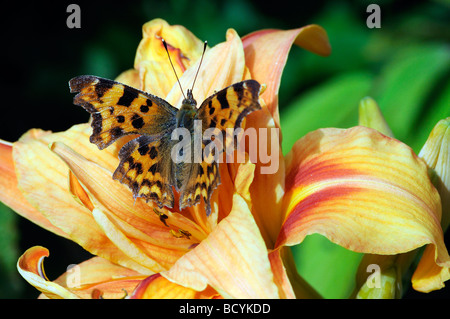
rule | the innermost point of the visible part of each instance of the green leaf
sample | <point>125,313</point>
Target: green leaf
<point>439,110</point>
<point>10,281</point>
<point>405,85</point>
<point>328,267</point>
<point>333,104</point>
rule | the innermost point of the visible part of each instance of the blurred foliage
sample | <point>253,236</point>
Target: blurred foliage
<point>404,66</point>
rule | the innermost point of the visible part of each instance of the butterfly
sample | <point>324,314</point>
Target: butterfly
<point>146,165</point>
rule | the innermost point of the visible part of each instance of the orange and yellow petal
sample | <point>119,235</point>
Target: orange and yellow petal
<point>158,287</point>
<point>43,179</point>
<point>261,49</point>
<point>11,196</point>
<point>362,190</point>
<point>233,259</point>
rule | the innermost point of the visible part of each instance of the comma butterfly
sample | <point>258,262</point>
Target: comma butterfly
<point>145,164</point>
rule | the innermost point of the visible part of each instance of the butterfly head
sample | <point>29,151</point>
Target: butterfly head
<point>189,102</point>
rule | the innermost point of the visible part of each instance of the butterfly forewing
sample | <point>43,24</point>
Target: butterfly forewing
<point>228,107</point>
<point>118,109</point>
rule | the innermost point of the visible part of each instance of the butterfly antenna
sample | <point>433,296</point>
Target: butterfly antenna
<point>170,60</point>
<point>204,49</point>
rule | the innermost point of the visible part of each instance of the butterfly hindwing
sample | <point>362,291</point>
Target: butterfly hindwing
<point>118,109</point>
<point>145,166</point>
<point>204,179</point>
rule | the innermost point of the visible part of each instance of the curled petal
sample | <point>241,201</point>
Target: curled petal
<point>30,266</point>
<point>158,287</point>
<point>264,47</point>
<point>362,190</point>
<point>232,259</point>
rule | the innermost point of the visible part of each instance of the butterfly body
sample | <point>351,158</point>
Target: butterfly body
<point>146,164</point>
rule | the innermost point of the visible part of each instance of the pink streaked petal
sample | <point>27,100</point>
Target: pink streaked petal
<point>264,47</point>
<point>362,190</point>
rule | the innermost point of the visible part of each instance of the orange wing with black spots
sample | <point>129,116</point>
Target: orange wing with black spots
<point>145,166</point>
<point>224,109</point>
<point>228,107</point>
<point>118,109</point>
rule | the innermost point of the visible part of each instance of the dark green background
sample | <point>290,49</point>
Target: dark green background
<point>404,66</point>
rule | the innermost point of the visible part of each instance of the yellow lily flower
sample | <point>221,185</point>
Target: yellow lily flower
<point>362,190</point>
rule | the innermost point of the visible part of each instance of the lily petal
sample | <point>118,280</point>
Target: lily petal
<point>264,47</point>
<point>232,259</point>
<point>362,190</point>
<point>30,266</point>
<point>158,287</point>
<point>41,174</point>
<point>12,196</point>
